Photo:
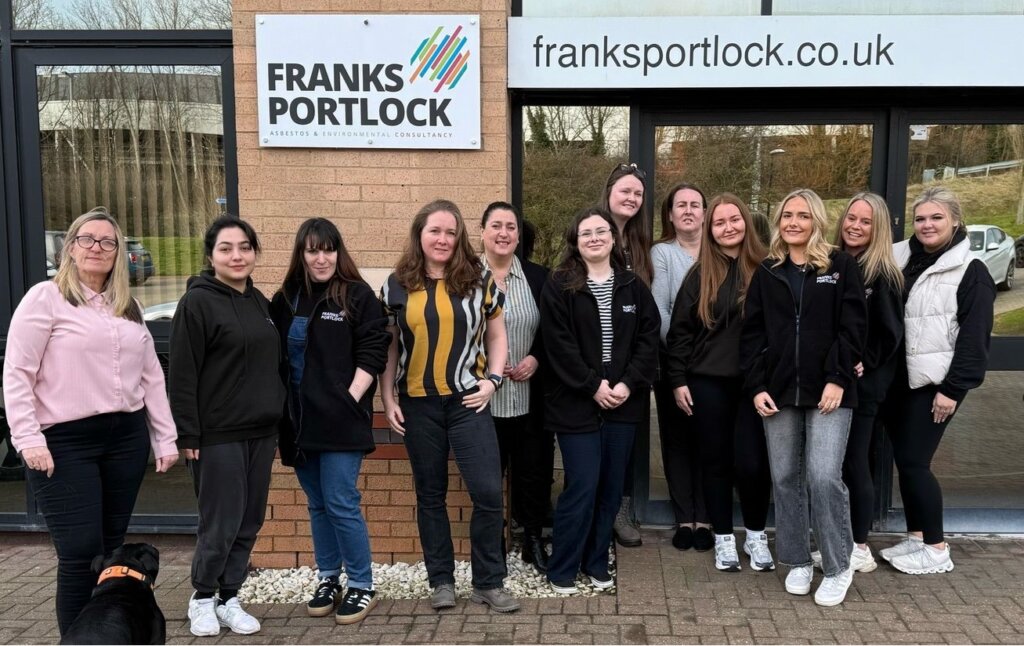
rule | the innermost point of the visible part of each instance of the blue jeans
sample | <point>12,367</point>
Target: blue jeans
<point>595,469</point>
<point>434,425</point>
<point>806,451</point>
<point>339,531</point>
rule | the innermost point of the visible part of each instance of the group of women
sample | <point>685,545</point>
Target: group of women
<point>770,361</point>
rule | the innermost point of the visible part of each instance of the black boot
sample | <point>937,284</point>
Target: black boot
<point>533,550</point>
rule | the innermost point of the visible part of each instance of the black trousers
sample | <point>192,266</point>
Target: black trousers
<point>232,481</point>
<point>732,450</point>
<point>857,469</point>
<point>99,463</point>
<point>527,456</point>
<point>679,454</point>
<point>915,438</point>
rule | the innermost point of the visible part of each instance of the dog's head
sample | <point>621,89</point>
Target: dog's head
<point>141,557</point>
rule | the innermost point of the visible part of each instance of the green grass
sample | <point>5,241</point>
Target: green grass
<point>175,256</point>
<point>1009,323</point>
<point>986,200</point>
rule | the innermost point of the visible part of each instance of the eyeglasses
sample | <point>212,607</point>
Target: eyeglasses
<point>591,233</point>
<point>634,169</point>
<point>88,242</point>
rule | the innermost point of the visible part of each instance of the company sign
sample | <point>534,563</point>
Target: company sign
<point>369,81</point>
<point>766,51</point>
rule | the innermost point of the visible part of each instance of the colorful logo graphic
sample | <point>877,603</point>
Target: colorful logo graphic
<point>444,61</point>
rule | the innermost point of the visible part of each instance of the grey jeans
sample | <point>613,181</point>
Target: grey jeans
<point>806,451</point>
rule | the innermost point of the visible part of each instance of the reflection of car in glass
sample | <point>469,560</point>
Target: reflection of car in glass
<point>1019,248</point>
<point>161,312</point>
<point>51,271</point>
<point>996,249</point>
<point>140,262</point>
<point>54,244</point>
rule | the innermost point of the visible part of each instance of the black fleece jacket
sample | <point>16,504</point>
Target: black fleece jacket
<point>571,325</point>
<point>225,365</point>
<point>791,347</point>
<point>338,342</point>
<point>884,339</point>
<point>693,348</point>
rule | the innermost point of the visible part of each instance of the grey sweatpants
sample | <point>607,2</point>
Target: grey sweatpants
<point>231,482</point>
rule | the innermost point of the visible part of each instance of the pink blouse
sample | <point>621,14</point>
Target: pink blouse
<point>65,363</point>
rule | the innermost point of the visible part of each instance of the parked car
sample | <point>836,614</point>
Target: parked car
<point>54,244</point>
<point>1019,248</point>
<point>140,261</point>
<point>997,250</point>
<point>161,312</point>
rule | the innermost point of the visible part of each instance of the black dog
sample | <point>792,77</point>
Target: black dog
<point>123,609</point>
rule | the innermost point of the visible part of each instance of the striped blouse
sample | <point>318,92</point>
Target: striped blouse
<point>522,318</point>
<point>603,294</point>
<point>440,335</point>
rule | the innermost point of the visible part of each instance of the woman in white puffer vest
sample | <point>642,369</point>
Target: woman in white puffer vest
<point>948,297</point>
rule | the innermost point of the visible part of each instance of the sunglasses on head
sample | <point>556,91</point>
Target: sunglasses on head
<point>633,169</point>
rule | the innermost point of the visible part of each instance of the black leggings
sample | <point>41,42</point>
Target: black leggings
<point>679,456</point>
<point>857,469</point>
<point>915,438</point>
<point>98,467</point>
<point>527,455</point>
<point>732,448</point>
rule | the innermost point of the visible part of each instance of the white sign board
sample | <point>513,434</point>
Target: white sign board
<point>766,51</point>
<point>368,81</point>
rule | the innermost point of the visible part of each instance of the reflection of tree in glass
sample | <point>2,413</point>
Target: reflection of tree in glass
<point>122,14</point>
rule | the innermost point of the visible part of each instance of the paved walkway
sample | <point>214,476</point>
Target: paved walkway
<point>664,597</point>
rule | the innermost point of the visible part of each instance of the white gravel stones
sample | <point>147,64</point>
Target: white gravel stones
<point>402,581</point>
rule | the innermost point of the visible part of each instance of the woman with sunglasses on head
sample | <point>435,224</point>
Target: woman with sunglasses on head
<point>682,214</point>
<point>623,199</point>
<point>948,297</point>
<point>86,402</point>
<point>334,332</point>
<point>804,324</point>
<point>228,398</point>
<point>865,232</point>
<point>600,325</point>
<point>704,372</point>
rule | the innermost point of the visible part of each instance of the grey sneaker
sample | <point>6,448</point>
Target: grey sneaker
<point>497,598</point>
<point>443,596</point>
<point>626,533</point>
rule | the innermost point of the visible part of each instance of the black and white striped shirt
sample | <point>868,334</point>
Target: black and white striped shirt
<point>603,294</point>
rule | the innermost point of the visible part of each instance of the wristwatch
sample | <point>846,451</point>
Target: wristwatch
<point>497,379</point>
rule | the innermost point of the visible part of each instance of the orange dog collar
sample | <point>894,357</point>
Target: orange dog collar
<point>121,571</point>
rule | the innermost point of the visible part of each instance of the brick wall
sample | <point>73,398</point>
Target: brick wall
<point>371,195</point>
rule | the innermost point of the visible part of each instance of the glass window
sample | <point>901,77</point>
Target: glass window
<point>628,8</point>
<point>122,14</point>
<point>895,7</point>
<point>984,165</point>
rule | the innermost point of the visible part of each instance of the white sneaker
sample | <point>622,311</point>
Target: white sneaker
<point>726,558</point>
<point>909,544</point>
<point>756,547</point>
<point>231,615</point>
<point>202,617</point>
<point>798,581</point>
<point>832,590</point>
<point>861,560</point>
<point>926,560</point>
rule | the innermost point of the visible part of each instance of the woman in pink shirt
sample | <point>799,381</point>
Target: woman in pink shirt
<point>86,401</point>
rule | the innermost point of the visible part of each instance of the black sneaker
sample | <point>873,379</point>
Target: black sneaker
<point>324,599</point>
<point>356,605</point>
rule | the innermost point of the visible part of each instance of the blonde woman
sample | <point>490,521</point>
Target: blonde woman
<point>865,232</point>
<point>803,332</point>
<point>86,402</point>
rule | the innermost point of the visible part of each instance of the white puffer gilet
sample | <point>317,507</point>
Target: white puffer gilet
<point>930,313</point>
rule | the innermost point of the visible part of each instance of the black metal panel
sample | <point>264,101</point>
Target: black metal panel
<point>123,37</point>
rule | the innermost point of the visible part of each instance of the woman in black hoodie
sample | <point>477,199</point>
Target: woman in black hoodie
<point>601,329</point>
<point>227,399</point>
<point>704,372</point>
<point>334,331</point>
<point>803,332</point>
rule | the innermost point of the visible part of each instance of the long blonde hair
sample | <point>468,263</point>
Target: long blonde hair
<point>877,260</point>
<point>818,248</point>
<point>115,290</point>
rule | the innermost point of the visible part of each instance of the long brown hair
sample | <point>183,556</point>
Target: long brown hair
<point>464,272</point>
<point>668,230</point>
<point>572,269</point>
<point>714,263</point>
<point>321,234</point>
<point>636,235</point>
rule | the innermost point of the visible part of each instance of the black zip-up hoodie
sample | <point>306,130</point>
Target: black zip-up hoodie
<point>793,345</point>
<point>571,326</point>
<point>225,365</point>
<point>338,341</point>
<point>883,341</point>
<point>693,349</point>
